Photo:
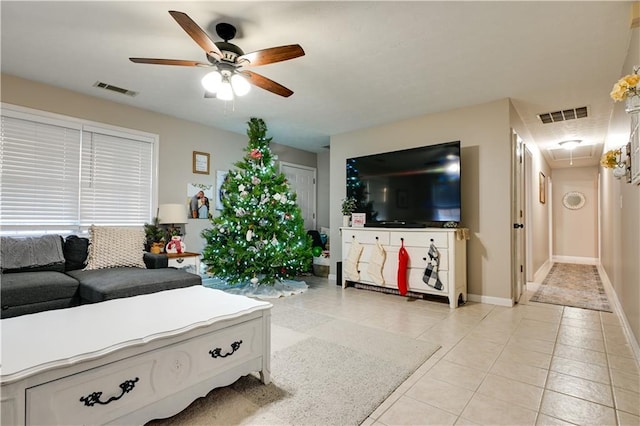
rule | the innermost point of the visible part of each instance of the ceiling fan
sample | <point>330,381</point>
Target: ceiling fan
<point>229,61</point>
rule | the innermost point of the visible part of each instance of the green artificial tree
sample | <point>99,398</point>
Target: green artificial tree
<point>260,231</point>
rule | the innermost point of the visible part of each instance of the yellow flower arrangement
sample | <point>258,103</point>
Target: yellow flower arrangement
<point>610,158</point>
<point>627,86</point>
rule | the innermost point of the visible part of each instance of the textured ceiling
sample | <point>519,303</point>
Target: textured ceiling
<point>366,63</point>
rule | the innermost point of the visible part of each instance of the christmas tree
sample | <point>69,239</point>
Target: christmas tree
<point>260,232</point>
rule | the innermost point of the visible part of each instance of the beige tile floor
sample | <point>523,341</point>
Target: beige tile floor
<point>530,364</point>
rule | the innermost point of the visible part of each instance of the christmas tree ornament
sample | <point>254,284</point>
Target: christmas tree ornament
<point>249,235</point>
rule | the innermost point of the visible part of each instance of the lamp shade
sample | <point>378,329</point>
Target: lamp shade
<point>570,144</point>
<point>172,213</point>
<point>211,82</point>
<point>225,92</point>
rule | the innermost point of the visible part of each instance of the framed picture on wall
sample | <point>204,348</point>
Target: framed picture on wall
<point>201,162</point>
<point>543,188</point>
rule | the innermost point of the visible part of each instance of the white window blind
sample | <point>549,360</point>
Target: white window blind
<point>63,176</point>
<point>116,180</point>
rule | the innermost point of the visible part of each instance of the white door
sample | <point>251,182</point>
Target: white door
<point>518,247</point>
<point>302,181</point>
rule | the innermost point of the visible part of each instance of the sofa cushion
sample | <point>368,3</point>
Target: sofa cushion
<point>113,247</point>
<point>31,254</point>
<point>113,283</point>
<point>32,308</point>
<point>76,250</point>
<point>35,287</point>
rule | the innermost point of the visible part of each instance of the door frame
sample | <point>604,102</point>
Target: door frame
<point>518,208</point>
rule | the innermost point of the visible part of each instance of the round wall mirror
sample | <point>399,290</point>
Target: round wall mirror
<point>573,200</point>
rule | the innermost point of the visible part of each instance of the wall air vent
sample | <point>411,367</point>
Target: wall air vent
<point>113,88</point>
<point>564,115</point>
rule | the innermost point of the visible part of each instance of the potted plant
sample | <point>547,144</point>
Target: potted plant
<point>348,206</point>
<point>155,235</point>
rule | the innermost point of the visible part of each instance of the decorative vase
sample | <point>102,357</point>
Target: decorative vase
<point>156,248</point>
<point>345,220</point>
<point>619,171</point>
<point>632,104</point>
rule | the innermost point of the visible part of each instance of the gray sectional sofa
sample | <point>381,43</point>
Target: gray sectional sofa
<point>48,272</point>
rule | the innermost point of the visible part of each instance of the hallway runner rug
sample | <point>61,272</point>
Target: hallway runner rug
<point>576,285</point>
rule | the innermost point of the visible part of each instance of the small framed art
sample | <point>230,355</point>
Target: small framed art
<point>543,188</point>
<point>201,162</point>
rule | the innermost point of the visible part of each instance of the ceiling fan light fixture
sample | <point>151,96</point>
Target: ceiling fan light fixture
<point>225,92</point>
<point>570,144</point>
<point>211,82</point>
<point>240,85</point>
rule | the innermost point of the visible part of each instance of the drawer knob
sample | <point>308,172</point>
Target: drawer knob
<point>216,353</point>
<point>94,397</point>
<point>181,259</point>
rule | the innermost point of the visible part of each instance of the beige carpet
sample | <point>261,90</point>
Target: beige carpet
<point>576,285</point>
<point>338,375</point>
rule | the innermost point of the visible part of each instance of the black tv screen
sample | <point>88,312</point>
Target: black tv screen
<point>418,186</point>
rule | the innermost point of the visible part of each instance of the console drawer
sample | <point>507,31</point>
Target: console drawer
<point>106,393</point>
<point>366,236</point>
<point>417,239</point>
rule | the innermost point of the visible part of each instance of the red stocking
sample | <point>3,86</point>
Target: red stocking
<point>403,262</point>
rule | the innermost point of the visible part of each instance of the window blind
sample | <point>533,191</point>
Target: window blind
<point>116,180</point>
<point>63,176</point>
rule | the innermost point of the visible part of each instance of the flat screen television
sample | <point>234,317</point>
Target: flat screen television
<point>415,187</point>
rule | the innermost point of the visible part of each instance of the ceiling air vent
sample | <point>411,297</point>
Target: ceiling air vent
<point>113,88</point>
<point>564,115</point>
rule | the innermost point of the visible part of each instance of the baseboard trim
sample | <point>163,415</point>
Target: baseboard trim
<point>575,259</point>
<point>490,300</point>
<point>542,271</point>
<point>617,309</point>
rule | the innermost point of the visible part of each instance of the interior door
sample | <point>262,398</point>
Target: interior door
<point>302,181</point>
<point>518,236</point>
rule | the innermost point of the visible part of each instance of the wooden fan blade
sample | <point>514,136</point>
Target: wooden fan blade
<point>179,62</point>
<point>266,84</point>
<point>196,33</point>
<point>271,55</point>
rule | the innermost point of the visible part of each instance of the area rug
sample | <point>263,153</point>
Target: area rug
<point>574,285</point>
<point>337,375</point>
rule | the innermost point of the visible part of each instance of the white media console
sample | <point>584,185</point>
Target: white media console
<point>131,360</point>
<point>450,243</point>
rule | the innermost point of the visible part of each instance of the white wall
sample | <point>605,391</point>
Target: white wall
<point>178,139</point>
<point>575,232</point>
<point>620,213</point>
<point>323,181</point>
<point>484,133</point>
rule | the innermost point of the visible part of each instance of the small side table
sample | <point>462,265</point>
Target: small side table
<point>184,260</point>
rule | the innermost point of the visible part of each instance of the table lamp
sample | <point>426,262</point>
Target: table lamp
<point>172,215</point>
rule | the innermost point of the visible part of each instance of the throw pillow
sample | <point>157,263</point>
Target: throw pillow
<point>76,250</point>
<point>112,247</point>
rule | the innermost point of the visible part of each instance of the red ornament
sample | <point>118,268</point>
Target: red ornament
<point>255,154</point>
